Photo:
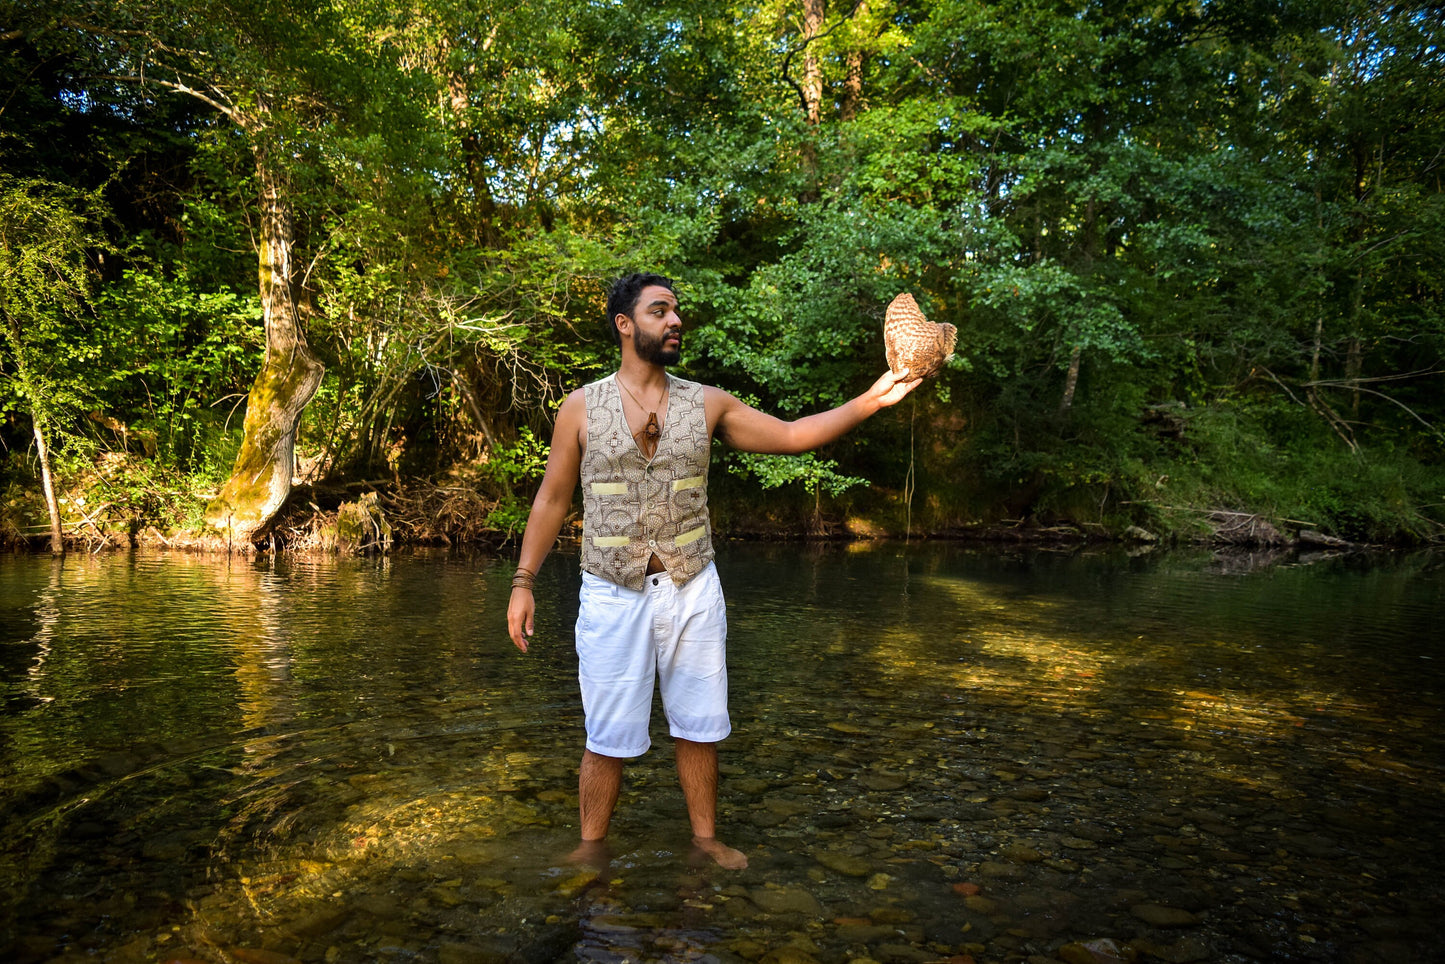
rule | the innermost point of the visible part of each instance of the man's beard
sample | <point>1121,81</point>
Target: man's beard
<point>651,349</point>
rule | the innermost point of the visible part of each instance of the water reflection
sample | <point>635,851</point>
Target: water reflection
<point>938,754</point>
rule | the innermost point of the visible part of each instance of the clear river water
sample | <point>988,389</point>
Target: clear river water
<point>940,753</point>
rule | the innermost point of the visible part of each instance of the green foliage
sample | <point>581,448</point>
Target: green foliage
<point>179,359</point>
<point>1221,218</point>
<point>508,470</point>
<point>45,231</point>
<point>814,474</point>
<point>1275,458</point>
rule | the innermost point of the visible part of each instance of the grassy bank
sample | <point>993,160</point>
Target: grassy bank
<point>1259,496</point>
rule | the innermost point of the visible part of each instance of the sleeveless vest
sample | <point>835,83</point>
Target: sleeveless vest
<point>633,507</point>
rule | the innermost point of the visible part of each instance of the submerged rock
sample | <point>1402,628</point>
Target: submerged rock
<point>1187,950</point>
<point>1021,853</point>
<point>255,955</point>
<point>785,900</point>
<point>865,933</point>
<point>454,952</point>
<point>883,780</point>
<point>1159,915</point>
<point>321,921</point>
<point>1102,950</point>
<point>903,954</point>
<point>844,864</point>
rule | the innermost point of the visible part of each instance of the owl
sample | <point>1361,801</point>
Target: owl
<point>913,342</point>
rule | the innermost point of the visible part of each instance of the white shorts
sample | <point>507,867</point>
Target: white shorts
<point>625,638</point>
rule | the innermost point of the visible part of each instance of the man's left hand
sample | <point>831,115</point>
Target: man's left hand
<point>892,386</point>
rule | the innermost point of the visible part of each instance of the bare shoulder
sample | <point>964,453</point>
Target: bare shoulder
<point>714,397</point>
<point>734,421</point>
<point>717,404</point>
<point>572,419</point>
<point>574,406</point>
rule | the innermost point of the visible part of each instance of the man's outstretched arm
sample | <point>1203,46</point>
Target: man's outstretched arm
<point>744,427</point>
<point>549,511</point>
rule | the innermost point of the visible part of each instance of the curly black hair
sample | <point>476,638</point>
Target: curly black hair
<point>622,297</point>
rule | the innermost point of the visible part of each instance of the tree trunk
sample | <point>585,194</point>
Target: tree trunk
<point>1315,351</point>
<point>459,99</point>
<point>1071,380</point>
<point>810,91</point>
<point>852,100</point>
<point>47,484</point>
<point>812,88</point>
<point>32,393</point>
<point>852,87</point>
<point>1354,363</point>
<point>289,377</point>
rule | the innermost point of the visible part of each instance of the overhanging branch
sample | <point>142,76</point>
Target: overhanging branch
<point>180,87</point>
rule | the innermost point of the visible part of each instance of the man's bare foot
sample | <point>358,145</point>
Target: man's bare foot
<point>724,856</point>
<point>591,853</point>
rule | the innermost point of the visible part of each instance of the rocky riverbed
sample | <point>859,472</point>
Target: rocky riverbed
<point>1057,780</point>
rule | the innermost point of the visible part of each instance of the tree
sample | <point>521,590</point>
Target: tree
<point>303,85</point>
<point>1227,212</point>
<point>44,280</point>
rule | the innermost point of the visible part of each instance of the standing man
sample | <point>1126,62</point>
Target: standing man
<point>639,441</point>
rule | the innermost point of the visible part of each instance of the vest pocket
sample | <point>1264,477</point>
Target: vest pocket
<point>689,537</point>
<point>609,488</point>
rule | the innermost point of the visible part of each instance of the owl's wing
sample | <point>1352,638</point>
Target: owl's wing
<point>947,336</point>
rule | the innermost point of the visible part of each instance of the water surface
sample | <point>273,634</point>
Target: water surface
<point>938,753</point>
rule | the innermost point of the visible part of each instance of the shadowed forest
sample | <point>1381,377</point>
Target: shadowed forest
<point>317,274</point>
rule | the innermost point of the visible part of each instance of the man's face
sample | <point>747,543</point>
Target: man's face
<point>656,327</point>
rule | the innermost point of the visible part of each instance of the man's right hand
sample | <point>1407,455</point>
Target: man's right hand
<point>520,611</point>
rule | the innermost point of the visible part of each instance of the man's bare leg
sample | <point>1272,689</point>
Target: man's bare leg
<point>599,780</point>
<point>697,772</point>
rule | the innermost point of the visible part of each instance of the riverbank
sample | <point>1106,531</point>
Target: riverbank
<point>380,517</point>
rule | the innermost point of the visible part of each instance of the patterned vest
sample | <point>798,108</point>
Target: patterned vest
<point>633,507</point>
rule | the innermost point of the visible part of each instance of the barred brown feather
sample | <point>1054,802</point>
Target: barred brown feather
<point>913,342</point>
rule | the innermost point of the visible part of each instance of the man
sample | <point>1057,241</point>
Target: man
<point>639,441</point>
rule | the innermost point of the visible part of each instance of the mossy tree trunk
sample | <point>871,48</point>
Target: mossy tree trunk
<point>290,375</point>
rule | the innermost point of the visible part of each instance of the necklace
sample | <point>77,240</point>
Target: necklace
<point>652,431</point>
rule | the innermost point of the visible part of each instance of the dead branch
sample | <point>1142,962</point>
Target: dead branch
<point>1394,401</point>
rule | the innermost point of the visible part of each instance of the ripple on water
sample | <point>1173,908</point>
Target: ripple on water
<point>936,754</point>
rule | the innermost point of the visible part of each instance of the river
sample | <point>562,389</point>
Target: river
<point>940,753</point>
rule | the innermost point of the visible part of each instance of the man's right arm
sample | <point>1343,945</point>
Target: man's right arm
<point>549,510</point>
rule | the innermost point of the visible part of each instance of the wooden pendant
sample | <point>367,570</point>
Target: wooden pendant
<point>651,433</point>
